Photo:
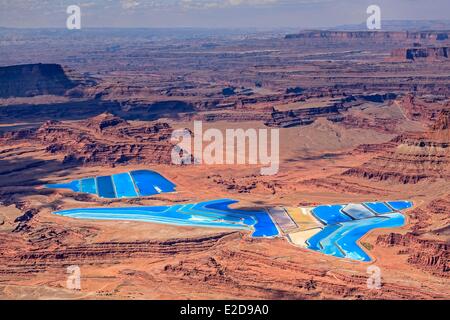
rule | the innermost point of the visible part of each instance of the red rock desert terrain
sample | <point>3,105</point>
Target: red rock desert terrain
<point>363,116</point>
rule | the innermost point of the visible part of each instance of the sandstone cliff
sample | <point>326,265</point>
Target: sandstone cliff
<point>391,36</point>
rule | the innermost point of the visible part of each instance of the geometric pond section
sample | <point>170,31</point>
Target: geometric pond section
<point>138,183</point>
<point>340,240</point>
<point>216,213</point>
<point>329,229</point>
<point>344,225</point>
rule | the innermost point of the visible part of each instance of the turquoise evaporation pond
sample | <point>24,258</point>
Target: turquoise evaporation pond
<point>330,214</point>
<point>340,235</point>
<point>138,183</point>
<point>400,205</point>
<point>215,213</point>
<point>124,185</point>
<point>378,207</point>
<point>105,187</point>
<point>89,186</point>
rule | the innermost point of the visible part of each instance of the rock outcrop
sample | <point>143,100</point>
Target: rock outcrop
<point>423,109</point>
<point>104,139</point>
<point>429,53</point>
<point>432,256</point>
<point>333,111</point>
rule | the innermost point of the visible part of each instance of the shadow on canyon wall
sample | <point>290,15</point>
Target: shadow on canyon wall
<point>79,110</point>
<point>23,176</point>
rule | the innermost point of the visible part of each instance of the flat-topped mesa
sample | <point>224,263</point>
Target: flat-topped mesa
<point>30,80</point>
<point>421,53</point>
<point>390,36</point>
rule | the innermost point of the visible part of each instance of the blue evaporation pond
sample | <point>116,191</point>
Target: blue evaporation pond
<point>219,210</point>
<point>400,205</point>
<point>106,187</point>
<point>207,214</point>
<point>340,238</point>
<point>328,244</point>
<point>331,214</point>
<point>75,186</point>
<point>264,226</point>
<point>88,186</point>
<point>314,241</point>
<point>357,211</point>
<point>124,185</point>
<point>260,220</point>
<point>149,183</point>
<point>350,232</point>
<point>378,207</point>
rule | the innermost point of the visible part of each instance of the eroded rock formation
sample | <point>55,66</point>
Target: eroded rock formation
<point>416,157</point>
<point>429,53</point>
<point>104,139</point>
<point>430,255</point>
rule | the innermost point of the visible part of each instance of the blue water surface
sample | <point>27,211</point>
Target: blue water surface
<point>341,239</point>
<point>124,185</point>
<point>378,207</point>
<point>351,232</point>
<point>339,236</point>
<point>331,214</point>
<point>106,187</point>
<point>400,205</point>
<point>206,214</point>
<point>148,183</point>
<point>74,186</point>
<point>314,241</point>
<point>88,186</point>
